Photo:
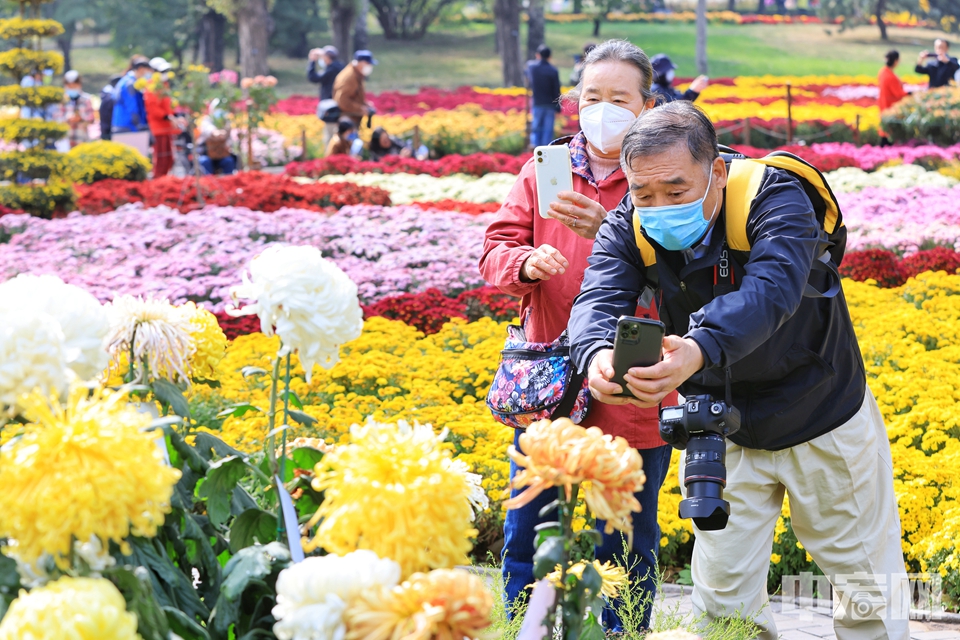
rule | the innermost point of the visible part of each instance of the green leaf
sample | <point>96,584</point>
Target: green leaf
<point>184,626</point>
<point>549,554</point>
<point>294,399</point>
<point>548,508</point>
<point>251,527</point>
<point>249,567</point>
<point>594,536</point>
<point>170,585</point>
<point>134,584</point>
<point>9,583</point>
<point>213,384</point>
<point>206,442</point>
<point>306,457</point>
<point>591,629</point>
<point>238,410</point>
<point>246,372</point>
<point>301,418</point>
<point>217,488</point>
<point>591,578</point>
<point>546,530</point>
<point>171,394</point>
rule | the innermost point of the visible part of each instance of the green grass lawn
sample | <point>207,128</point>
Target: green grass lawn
<point>464,55</point>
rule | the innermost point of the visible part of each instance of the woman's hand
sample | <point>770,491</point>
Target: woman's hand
<point>579,213</point>
<point>542,264</point>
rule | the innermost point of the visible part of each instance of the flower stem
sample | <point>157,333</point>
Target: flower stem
<point>281,526</point>
<point>272,415</point>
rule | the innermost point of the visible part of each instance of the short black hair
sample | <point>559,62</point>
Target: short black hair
<point>892,56</point>
<point>344,126</point>
<point>544,51</point>
<point>660,129</point>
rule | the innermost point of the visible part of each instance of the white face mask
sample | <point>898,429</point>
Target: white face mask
<point>670,76</point>
<point>366,71</point>
<point>605,124</point>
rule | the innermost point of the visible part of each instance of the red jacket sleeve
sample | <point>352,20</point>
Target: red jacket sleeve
<point>509,238</point>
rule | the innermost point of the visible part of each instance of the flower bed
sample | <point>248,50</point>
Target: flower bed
<point>405,188</point>
<point>477,164</point>
<point>254,190</point>
<point>851,179</point>
<point>888,270</point>
<point>197,256</point>
<point>902,220</point>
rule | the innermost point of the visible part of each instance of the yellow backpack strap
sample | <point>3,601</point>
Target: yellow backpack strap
<point>743,182</point>
<point>789,162</point>
<point>647,252</point>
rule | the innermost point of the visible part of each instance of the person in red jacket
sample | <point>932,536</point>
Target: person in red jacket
<point>891,89</point>
<point>542,262</point>
<point>161,118</point>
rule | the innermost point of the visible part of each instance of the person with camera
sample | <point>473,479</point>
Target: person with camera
<point>939,65</point>
<point>756,322</point>
<point>323,67</point>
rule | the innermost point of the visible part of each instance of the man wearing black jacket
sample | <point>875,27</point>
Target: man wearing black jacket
<point>544,82</point>
<point>810,426</point>
<point>939,65</point>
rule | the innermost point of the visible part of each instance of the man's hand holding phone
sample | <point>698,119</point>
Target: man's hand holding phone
<point>647,385</point>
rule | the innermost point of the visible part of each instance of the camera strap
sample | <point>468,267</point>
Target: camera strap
<point>724,274</point>
<point>726,381</point>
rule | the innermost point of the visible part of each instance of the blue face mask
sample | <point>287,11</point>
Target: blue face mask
<point>73,93</point>
<point>678,226</point>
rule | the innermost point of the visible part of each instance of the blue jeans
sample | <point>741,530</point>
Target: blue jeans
<point>542,132</point>
<point>520,536</point>
<point>226,165</point>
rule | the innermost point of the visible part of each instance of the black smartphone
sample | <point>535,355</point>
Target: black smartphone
<point>638,343</point>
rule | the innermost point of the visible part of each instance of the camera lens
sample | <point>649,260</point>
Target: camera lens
<point>704,477</point>
<point>539,159</point>
<point>624,334</point>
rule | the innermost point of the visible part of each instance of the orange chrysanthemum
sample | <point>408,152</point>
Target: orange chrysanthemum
<point>563,454</point>
<point>445,604</point>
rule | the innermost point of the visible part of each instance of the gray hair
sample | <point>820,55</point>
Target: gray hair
<point>617,51</point>
<point>661,129</point>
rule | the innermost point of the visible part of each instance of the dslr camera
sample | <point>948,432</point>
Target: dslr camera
<point>700,426</point>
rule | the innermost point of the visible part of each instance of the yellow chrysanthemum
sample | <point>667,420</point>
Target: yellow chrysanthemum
<point>392,491</point>
<point>562,454</point>
<point>446,604</point>
<point>614,576</point>
<point>208,339</point>
<point>84,470</point>
<point>75,608</point>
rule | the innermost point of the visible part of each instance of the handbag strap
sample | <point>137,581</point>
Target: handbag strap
<point>565,408</point>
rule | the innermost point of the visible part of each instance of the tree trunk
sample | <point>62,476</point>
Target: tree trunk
<point>731,5</point>
<point>343,13</point>
<point>881,6</point>
<point>578,6</point>
<point>361,37</point>
<point>253,32</point>
<point>536,27</point>
<point>213,26</point>
<point>760,6</point>
<point>507,15</point>
<point>702,37</point>
<point>65,43</point>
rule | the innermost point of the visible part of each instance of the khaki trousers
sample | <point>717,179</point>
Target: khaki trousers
<point>329,130</point>
<point>844,512</point>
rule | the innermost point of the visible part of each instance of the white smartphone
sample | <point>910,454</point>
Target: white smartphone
<point>554,174</point>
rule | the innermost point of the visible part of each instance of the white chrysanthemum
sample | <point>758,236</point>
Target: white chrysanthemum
<point>312,595</point>
<point>478,497</point>
<point>82,318</point>
<point>320,621</point>
<point>31,356</point>
<point>159,332</point>
<point>305,299</point>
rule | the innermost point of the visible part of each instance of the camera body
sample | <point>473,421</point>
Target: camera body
<point>701,426</point>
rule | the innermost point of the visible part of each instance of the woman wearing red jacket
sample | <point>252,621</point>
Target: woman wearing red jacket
<point>891,89</point>
<point>542,262</point>
<point>161,118</point>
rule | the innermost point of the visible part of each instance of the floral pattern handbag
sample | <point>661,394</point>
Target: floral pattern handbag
<point>536,380</point>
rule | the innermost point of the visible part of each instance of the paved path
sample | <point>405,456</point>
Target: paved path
<point>809,624</point>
